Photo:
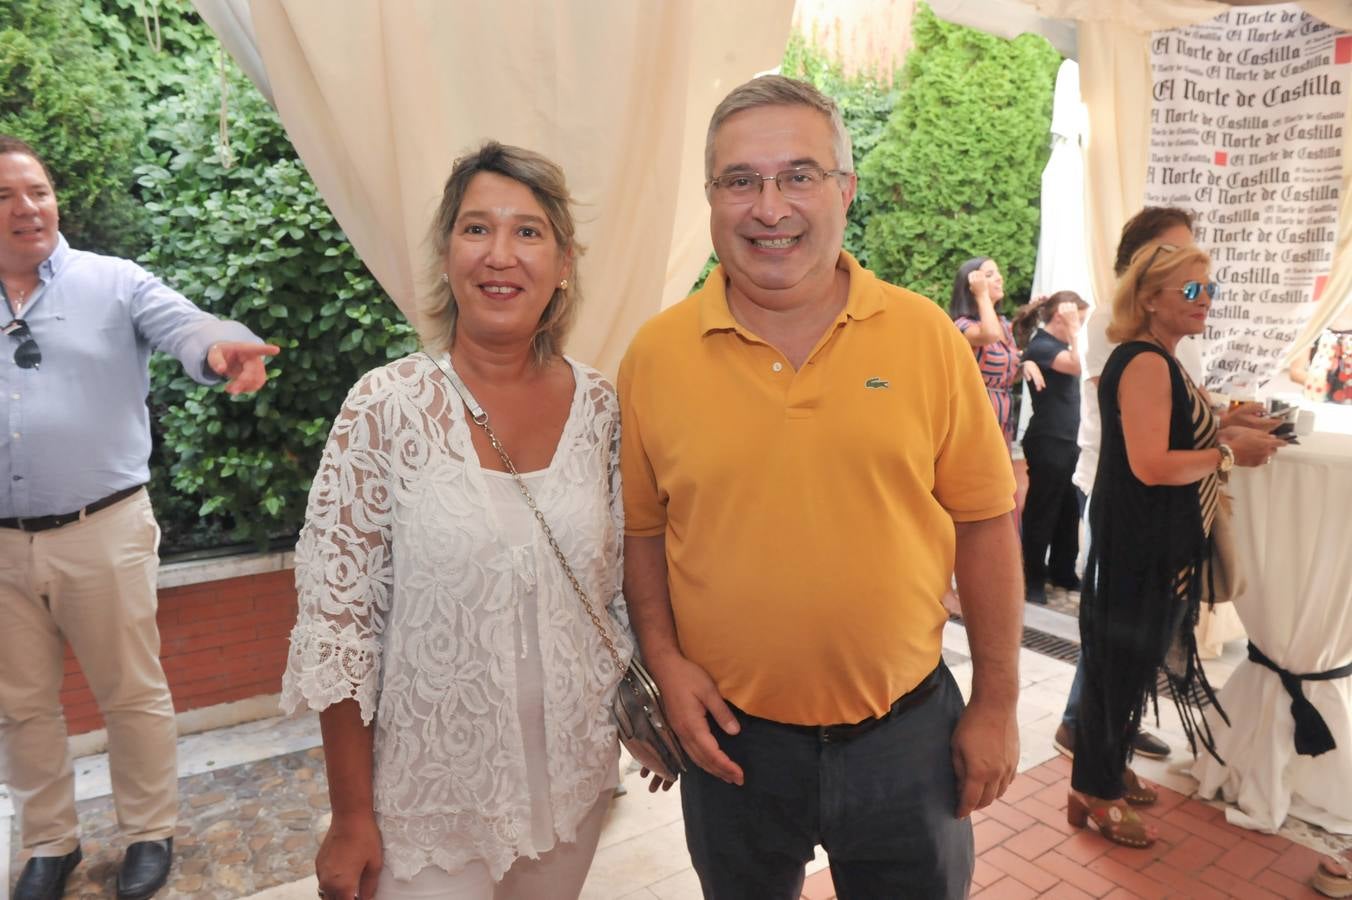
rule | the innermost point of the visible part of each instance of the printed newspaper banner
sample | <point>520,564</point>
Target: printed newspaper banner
<point>1247,132</point>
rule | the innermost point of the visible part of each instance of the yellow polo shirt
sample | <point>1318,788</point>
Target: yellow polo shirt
<point>808,514</point>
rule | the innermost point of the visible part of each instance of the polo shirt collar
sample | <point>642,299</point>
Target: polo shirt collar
<point>863,301</point>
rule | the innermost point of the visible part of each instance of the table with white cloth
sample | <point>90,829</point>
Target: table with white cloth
<point>1293,533</point>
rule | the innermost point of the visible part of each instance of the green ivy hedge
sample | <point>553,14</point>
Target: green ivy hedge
<point>957,171</point>
<point>124,97</point>
<point>255,243</point>
<point>64,94</point>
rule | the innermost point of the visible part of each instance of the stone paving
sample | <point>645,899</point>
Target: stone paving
<point>241,830</point>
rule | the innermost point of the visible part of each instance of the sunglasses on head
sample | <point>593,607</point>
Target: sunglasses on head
<point>1191,290</point>
<point>26,355</point>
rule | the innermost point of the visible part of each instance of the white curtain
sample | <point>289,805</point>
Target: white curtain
<point>380,97</point>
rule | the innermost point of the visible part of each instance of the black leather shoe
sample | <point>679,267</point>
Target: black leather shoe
<point>1035,593</point>
<point>145,869</point>
<point>44,877</point>
<point>1146,744</point>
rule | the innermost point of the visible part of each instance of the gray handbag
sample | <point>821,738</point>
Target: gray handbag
<point>637,707</point>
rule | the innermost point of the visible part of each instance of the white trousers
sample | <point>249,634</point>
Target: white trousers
<point>557,874</point>
<point>93,583</point>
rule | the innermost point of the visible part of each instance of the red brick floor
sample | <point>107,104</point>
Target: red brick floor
<point>1025,849</point>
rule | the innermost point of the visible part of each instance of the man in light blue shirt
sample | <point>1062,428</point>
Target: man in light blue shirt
<point>78,540</point>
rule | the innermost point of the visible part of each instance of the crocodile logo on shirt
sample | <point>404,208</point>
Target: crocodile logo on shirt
<point>878,383</point>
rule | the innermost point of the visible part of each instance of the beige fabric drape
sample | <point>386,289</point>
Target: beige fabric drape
<point>379,98</point>
<point>1115,79</point>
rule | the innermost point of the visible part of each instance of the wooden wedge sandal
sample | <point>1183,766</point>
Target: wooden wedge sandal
<point>1139,791</point>
<point>1114,819</point>
<point>1333,877</point>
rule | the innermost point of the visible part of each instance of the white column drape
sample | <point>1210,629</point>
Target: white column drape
<point>1292,542</point>
<point>1115,79</point>
<point>1062,254</point>
<point>380,97</point>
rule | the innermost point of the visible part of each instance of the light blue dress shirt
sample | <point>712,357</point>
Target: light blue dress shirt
<point>77,428</point>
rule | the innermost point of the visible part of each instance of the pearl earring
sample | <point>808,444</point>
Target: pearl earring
<point>445,279</point>
<point>563,285</point>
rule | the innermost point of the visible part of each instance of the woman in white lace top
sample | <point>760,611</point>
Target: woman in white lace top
<point>464,693</point>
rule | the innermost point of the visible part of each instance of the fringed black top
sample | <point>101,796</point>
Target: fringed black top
<point>1143,579</point>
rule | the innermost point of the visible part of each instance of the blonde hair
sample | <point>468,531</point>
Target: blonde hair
<point>777,90</point>
<point>1151,266</point>
<point>438,312</point>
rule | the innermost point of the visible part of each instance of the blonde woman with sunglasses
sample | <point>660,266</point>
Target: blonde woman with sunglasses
<point>1163,459</point>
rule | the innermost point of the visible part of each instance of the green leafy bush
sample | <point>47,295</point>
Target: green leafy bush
<point>124,99</point>
<point>957,171</point>
<point>63,93</point>
<point>150,39</point>
<point>255,243</point>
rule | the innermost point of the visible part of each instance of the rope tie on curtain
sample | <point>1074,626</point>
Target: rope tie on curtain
<point>227,156</point>
<point>150,18</point>
<point>1312,732</point>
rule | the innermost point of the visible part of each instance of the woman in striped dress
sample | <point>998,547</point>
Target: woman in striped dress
<point>977,291</point>
<point>1162,461</point>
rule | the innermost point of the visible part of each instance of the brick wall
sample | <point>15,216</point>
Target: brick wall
<point>220,641</point>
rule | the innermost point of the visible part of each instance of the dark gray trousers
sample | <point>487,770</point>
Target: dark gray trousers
<point>882,805</point>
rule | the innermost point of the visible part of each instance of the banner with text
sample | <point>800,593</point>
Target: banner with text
<point>1247,132</point>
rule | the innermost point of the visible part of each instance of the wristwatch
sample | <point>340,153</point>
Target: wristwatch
<point>1227,458</point>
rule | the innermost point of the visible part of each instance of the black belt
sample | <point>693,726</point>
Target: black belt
<point>1312,732</point>
<point>45,523</point>
<point>840,734</point>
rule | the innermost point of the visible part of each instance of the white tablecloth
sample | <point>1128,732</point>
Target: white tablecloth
<point>1293,527</point>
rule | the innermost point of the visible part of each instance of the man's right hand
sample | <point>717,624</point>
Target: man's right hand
<point>349,861</point>
<point>688,694</point>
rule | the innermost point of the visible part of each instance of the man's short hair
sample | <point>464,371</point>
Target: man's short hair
<point>11,144</point>
<point>776,90</point>
<point>1143,228</point>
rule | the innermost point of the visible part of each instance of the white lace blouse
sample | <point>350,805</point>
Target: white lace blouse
<point>410,603</point>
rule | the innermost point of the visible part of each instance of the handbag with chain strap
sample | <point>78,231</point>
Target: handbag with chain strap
<point>637,707</point>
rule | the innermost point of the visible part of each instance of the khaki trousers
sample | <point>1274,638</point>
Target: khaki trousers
<point>93,583</point>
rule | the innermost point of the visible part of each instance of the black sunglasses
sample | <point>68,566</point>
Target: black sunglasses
<point>26,355</point>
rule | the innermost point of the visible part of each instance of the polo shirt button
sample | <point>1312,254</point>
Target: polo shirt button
<point>777,367</point>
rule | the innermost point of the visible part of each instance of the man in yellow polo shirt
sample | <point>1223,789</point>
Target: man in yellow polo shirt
<point>808,453</point>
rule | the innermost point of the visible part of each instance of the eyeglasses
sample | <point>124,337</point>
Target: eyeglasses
<point>26,355</point>
<point>1191,290</point>
<point>798,183</point>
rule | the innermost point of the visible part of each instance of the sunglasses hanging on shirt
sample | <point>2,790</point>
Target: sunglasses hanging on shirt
<point>26,355</point>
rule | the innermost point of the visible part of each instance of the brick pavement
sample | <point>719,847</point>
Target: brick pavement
<point>1026,849</point>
